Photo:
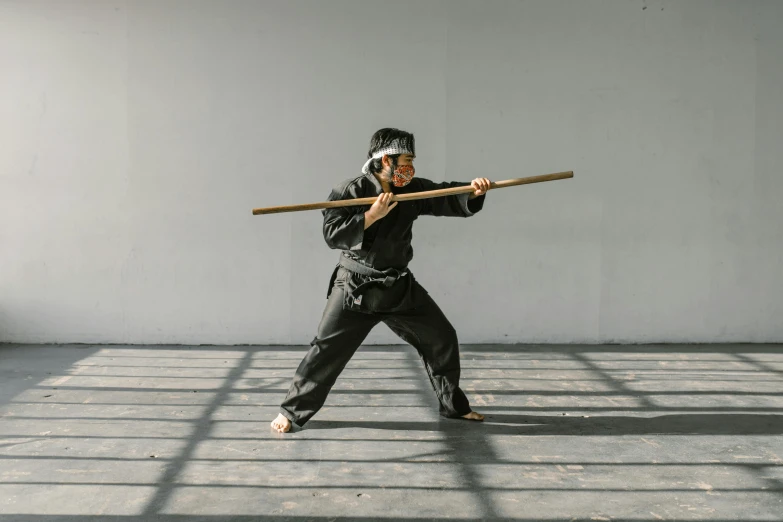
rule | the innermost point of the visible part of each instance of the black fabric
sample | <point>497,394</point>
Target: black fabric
<point>371,290</point>
<point>372,284</point>
<point>387,243</point>
<point>342,331</point>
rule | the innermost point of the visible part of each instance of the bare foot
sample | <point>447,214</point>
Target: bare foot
<point>474,416</point>
<point>281,424</point>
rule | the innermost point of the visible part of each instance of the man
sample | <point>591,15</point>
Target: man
<point>372,282</point>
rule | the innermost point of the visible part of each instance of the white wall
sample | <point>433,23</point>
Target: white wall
<point>135,138</point>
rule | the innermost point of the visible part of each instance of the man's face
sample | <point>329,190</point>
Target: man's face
<point>388,163</point>
<point>405,159</point>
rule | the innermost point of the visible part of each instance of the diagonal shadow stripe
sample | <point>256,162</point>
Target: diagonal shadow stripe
<point>201,431</point>
<point>460,444</point>
<point>760,365</point>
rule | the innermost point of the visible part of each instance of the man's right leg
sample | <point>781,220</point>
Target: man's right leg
<point>340,334</point>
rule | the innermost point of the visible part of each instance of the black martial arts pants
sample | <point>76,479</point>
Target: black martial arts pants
<point>340,334</point>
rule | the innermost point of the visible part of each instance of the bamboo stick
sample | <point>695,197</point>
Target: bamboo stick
<point>412,196</point>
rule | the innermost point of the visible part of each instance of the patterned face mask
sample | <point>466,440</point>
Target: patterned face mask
<point>403,175</point>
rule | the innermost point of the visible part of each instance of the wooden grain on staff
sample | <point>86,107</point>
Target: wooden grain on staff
<point>414,195</point>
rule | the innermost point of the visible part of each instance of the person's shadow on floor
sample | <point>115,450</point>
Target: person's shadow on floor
<point>609,425</point>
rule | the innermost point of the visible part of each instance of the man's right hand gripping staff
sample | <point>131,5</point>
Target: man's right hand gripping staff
<point>379,209</point>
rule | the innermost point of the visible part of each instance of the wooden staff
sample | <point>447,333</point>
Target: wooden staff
<point>413,195</point>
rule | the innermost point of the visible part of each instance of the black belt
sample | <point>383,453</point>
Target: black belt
<point>386,277</point>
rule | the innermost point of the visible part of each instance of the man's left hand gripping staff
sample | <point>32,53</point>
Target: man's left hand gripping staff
<point>481,186</point>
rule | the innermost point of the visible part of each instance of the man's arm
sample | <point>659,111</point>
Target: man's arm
<point>344,226</point>
<point>460,205</point>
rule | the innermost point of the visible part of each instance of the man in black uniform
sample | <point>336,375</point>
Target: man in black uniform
<point>372,282</point>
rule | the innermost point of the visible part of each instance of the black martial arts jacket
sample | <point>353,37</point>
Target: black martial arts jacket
<point>373,269</point>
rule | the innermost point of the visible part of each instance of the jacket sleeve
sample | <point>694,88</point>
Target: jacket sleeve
<point>344,226</point>
<point>449,206</point>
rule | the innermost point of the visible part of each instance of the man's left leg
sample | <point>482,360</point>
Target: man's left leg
<point>428,330</point>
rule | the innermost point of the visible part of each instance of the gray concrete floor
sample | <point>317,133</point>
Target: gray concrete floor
<point>643,433</point>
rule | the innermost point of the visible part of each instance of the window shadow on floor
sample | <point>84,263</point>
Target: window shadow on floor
<point>181,433</point>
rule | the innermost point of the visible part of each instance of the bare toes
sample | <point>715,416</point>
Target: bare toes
<point>281,424</point>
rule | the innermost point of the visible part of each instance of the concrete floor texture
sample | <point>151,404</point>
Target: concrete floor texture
<point>175,433</point>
